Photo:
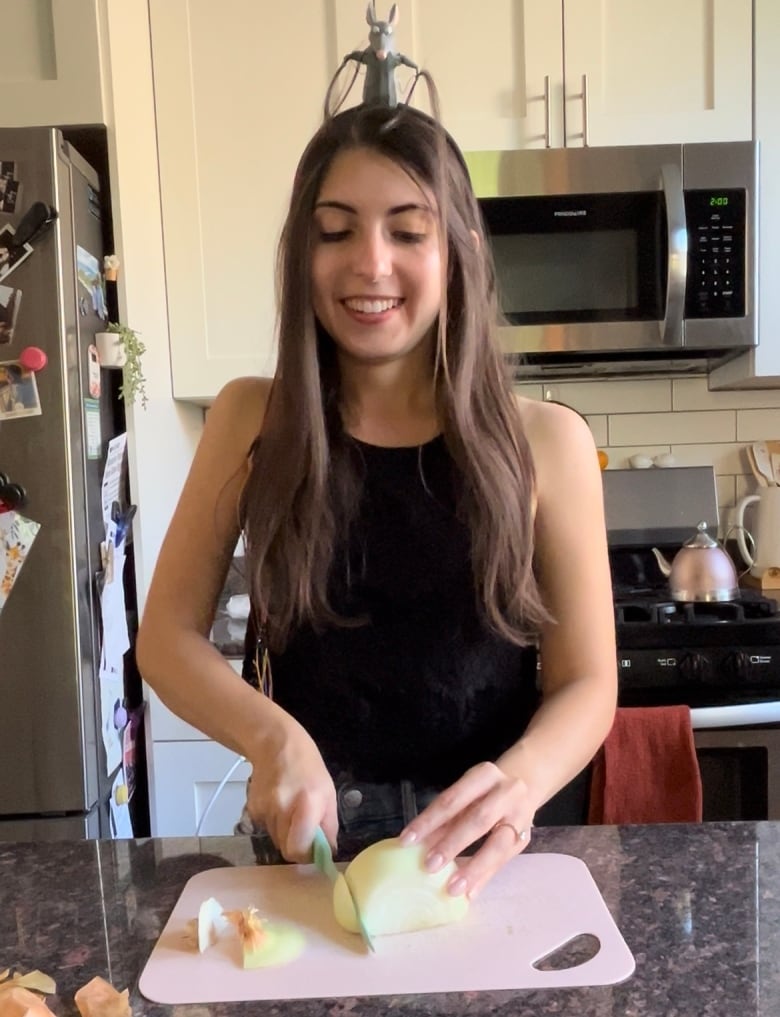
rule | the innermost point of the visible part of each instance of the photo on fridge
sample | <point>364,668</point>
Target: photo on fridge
<point>18,391</point>
<point>10,301</point>
<point>10,254</point>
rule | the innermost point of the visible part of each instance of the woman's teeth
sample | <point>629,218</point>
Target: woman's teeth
<point>372,306</point>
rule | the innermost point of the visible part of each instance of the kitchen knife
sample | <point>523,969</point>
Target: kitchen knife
<point>323,859</point>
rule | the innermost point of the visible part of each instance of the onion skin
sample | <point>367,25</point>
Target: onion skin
<point>394,891</point>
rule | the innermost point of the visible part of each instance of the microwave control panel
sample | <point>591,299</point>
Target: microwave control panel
<point>717,254</point>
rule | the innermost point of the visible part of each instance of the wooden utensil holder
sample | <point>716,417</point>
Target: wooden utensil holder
<point>768,580</point>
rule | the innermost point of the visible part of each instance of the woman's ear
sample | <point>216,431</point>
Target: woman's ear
<point>475,238</point>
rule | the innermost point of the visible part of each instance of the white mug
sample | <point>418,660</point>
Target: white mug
<point>766,530</point>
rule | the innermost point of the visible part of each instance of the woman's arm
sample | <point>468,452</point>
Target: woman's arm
<point>291,790</point>
<point>578,661</point>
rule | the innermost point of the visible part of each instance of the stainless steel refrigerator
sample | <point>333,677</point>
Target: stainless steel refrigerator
<point>53,779</point>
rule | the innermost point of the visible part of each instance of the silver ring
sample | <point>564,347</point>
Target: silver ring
<point>520,835</point>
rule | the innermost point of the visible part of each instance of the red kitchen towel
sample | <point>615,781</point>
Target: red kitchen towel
<point>646,771</point>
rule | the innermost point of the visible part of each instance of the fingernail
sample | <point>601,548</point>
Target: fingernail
<point>408,837</point>
<point>434,862</point>
<point>456,887</point>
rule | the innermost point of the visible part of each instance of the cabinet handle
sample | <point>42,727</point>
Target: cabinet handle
<point>547,128</point>
<point>585,110</point>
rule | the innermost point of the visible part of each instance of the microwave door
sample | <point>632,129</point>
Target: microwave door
<point>677,247</point>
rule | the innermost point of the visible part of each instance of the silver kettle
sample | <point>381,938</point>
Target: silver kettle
<point>701,571</point>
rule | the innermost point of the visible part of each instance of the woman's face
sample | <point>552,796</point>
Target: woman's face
<point>376,262</point>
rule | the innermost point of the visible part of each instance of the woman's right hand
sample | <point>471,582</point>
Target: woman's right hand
<point>291,792</point>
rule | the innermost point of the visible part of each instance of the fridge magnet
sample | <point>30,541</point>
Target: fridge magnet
<point>91,278</point>
<point>32,358</point>
<point>18,391</point>
<point>17,534</point>
<point>11,255</point>
<point>93,366</point>
<point>10,301</point>
<point>92,421</point>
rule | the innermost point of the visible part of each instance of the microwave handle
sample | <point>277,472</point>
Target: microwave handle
<point>677,245</point>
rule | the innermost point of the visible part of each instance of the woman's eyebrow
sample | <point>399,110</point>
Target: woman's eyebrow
<point>342,206</point>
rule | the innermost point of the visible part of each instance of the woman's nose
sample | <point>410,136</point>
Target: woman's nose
<point>373,258</point>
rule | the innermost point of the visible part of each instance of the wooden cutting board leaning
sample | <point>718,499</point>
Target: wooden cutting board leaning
<point>535,905</point>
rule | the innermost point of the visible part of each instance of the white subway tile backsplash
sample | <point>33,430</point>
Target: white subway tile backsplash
<point>613,396</point>
<point>529,390</point>
<point>758,425</point>
<point>677,415</point>
<point>619,457</point>
<point>598,425</point>
<point>674,428</point>
<point>728,459</point>
<point>693,394</point>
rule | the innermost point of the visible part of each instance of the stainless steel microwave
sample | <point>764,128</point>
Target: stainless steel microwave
<point>622,260</point>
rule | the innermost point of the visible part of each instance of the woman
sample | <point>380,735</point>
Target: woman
<point>411,529</point>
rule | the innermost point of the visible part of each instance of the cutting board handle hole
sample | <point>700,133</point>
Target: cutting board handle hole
<point>574,952</point>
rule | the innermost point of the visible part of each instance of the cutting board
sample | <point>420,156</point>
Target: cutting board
<point>532,907</point>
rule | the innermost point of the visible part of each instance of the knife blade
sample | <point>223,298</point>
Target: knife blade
<point>323,859</point>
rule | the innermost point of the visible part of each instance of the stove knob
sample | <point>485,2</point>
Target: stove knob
<point>694,666</point>
<point>739,664</point>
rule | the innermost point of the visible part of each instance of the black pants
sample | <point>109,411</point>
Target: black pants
<point>370,812</point>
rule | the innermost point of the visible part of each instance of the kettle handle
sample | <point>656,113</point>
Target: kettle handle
<point>739,517</point>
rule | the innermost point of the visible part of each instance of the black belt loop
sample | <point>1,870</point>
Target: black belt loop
<point>408,801</point>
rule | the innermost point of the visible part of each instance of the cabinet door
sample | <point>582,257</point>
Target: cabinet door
<point>50,73</point>
<point>184,776</point>
<point>238,92</point>
<point>657,72</point>
<point>488,61</point>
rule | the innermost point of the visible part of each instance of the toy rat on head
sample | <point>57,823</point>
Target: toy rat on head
<point>380,58</point>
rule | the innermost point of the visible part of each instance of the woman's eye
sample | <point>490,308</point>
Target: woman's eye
<point>333,236</point>
<point>408,237</point>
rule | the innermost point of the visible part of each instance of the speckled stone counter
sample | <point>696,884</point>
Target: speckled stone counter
<point>699,907</point>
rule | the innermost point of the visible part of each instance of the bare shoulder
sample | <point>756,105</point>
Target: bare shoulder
<point>239,409</point>
<point>554,430</point>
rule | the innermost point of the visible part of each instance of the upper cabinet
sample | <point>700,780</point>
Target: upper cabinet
<point>760,367</point>
<point>530,73</point>
<point>50,74</point>
<point>236,99</point>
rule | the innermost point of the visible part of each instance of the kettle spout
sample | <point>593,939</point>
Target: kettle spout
<point>663,564</point>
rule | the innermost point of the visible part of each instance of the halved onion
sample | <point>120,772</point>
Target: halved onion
<point>394,891</point>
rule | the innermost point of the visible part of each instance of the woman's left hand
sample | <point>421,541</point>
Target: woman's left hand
<point>485,802</point>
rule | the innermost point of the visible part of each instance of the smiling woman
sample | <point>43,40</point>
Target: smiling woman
<point>408,534</point>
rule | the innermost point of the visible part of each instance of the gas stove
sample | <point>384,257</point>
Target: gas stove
<point>702,654</point>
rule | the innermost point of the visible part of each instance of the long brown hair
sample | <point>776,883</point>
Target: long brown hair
<point>303,487</point>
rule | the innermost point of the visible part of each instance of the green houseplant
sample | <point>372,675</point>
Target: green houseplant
<point>133,381</point>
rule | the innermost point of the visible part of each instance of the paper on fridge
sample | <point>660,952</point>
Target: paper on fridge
<point>17,534</point>
<point>116,641</point>
<point>111,487</point>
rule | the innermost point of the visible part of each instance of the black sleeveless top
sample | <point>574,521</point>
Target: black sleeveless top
<point>424,689</point>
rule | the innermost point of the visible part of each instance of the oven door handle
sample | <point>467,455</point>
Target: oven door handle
<point>677,246</point>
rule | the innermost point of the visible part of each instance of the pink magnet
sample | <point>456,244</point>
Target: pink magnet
<point>33,359</point>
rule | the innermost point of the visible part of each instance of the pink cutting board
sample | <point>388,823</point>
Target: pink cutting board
<point>536,904</point>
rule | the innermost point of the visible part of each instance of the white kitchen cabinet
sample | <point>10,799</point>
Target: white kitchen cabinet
<point>760,367</point>
<point>237,94</point>
<point>187,774</point>
<point>663,72</point>
<point>185,769</point>
<point>514,74</point>
<point>51,69</point>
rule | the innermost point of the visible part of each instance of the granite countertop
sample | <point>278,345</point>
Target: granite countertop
<point>699,907</point>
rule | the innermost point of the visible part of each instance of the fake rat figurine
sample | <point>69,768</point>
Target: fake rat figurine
<point>380,58</point>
